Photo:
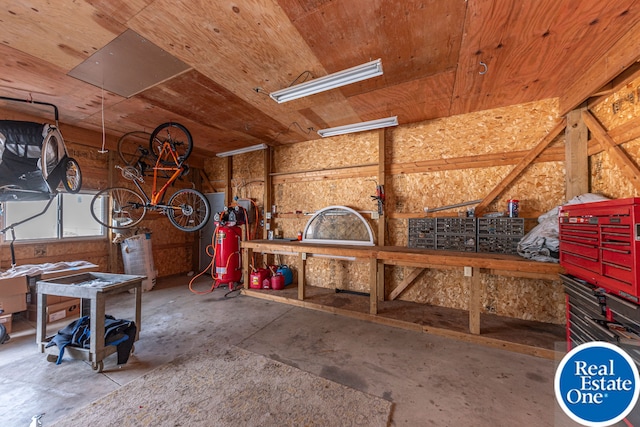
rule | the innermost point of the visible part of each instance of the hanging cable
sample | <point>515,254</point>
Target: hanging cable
<point>103,150</point>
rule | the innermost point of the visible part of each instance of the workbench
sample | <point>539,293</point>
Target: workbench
<point>94,288</point>
<point>473,266</point>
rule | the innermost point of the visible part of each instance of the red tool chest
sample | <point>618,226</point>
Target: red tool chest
<point>600,243</point>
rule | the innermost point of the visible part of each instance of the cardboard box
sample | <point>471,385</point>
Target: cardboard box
<point>6,320</point>
<point>13,286</point>
<point>57,311</point>
<point>13,303</point>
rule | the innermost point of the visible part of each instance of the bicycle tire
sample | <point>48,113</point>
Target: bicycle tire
<point>133,148</point>
<point>188,210</point>
<point>52,152</point>
<point>72,181</point>
<point>181,141</point>
<point>126,208</point>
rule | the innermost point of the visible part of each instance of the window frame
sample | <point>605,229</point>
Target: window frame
<point>58,205</point>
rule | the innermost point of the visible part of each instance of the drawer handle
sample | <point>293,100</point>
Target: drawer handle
<point>621,267</point>
<point>618,251</point>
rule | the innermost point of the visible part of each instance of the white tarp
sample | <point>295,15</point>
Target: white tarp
<point>542,242</point>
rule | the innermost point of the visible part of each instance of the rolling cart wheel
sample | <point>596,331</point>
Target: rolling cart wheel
<point>51,358</point>
<point>98,366</point>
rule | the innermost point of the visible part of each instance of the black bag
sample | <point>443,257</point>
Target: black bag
<point>118,332</point>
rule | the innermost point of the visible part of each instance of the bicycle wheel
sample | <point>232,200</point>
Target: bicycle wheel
<point>73,177</point>
<point>178,138</point>
<point>125,207</point>
<point>52,152</point>
<point>188,210</point>
<point>133,149</point>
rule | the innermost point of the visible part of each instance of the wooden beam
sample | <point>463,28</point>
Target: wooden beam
<point>382,219</point>
<point>619,157</point>
<point>266,161</point>
<point>576,155</point>
<point>620,81</point>
<point>621,56</point>
<point>228,174</point>
<point>521,166</point>
<point>373,286</point>
<point>626,132</point>
<point>472,277</point>
<point>321,174</point>
<point>302,262</point>
<point>415,272</point>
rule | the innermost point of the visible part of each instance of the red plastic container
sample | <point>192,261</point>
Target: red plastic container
<point>257,277</point>
<point>277,282</point>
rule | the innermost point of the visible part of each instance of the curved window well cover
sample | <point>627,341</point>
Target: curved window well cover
<point>338,225</point>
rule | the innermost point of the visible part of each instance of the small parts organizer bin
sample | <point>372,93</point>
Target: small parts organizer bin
<point>600,243</point>
<point>488,235</point>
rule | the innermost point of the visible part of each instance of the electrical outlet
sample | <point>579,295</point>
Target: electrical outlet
<point>468,271</point>
<point>375,215</point>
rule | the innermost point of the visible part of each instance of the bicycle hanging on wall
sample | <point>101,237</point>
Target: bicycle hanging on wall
<point>169,146</point>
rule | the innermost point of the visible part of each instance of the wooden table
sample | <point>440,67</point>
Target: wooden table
<point>93,287</point>
<point>472,264</point>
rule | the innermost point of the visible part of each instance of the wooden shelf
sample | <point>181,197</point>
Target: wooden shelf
<point>473,264</point>
<point>520,336</point>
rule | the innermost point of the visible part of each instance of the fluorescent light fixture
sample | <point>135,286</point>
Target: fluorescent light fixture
<point>359,127</point>
<point>328,82</point>
<point>243,150</point>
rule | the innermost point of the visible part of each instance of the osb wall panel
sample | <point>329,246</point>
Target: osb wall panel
<point>340,151</point>
<point>513,128</point>
<point>338,274</point>
<point>529,299</point>
<point>247,178</point>
<point>616,110</point>
<point>214,169</point>
<point>620,107</point>
<point>539,188</point>
<point>308,197</point>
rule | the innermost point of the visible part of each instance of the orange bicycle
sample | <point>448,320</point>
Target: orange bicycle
<point>170,144</point>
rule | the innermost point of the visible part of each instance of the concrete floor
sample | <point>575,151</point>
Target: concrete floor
<point>431,380</point>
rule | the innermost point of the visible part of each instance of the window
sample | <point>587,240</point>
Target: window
<point>338,225</point>
<point>68,216</point>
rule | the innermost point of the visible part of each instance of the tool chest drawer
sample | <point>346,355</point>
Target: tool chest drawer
<point>600,243</point>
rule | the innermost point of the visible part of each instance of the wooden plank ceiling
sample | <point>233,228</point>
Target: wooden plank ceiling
<point>432,52</point>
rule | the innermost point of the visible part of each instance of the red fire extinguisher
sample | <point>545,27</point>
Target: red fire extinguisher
<point>227,263</point>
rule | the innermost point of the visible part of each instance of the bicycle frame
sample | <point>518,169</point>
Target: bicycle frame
<point>156,195</point>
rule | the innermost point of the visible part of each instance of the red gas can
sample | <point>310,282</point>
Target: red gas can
<point>257,277</point>
<point>277,282</point>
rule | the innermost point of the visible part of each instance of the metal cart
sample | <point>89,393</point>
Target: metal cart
<point>92,287</point>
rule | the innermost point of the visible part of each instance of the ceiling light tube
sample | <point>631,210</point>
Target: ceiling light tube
<point>243,150</point>
<point>328,82</point>
<point>359,127</point>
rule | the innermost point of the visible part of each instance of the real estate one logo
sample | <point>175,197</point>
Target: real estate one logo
<point>597,384</point>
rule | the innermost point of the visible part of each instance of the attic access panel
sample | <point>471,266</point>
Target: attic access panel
<point>128,65</point>
<point>338,225</point>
